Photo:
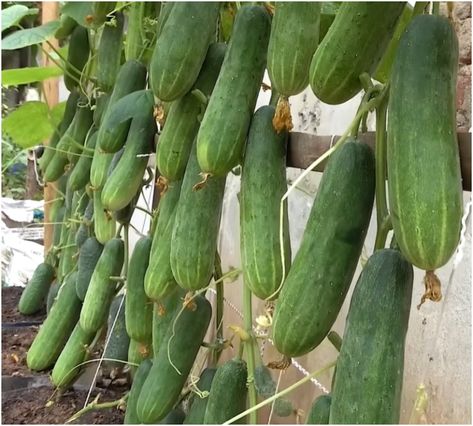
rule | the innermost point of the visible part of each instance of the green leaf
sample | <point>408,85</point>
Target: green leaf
<point>79,11</point>
<point>19,76</point>
<point>30,36</point>
<point>12,15</point>
<point>29,124</point>
<point>57,112</point>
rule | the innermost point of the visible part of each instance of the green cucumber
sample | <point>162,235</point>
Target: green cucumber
<point>89,255</point>
<point>159,280</point>
<point>69,113</point>
<point>198,403</point>
<point>36,290</point>
<point>82,130</point>
<point>77,57</point>
<point>294,39</point>
<point>86,227</point>
<point>320,411</point>
<point>164,13</point>
<point>137,353</point>
<point>139,309</point>
<point>67,26</point>
<point>131,416</point>
<point>424,179</point>
<point>196,226</point>
<point>68,253</point>
<point>100,10</point>
<point>179,55</point>
<point>109,51</point>
<point>105,225</point>
<point>165,380</point>
<point>265,161</point>
<point>98,169</point>
<point>56,328</point>
<point>101,289</point>
<point>323,268</point>
<point>126,179</point>
<point>182,121</point>
<point>117,337</point>
<point>101,105</point>
<point>130,78</point>
<point>227,396</point>
<point>52,293</point>
<point>354,44</point>
<point>175,417</point>
<point>368,383</point>
<point>80,174</point>
<point>58,219</point>
<point>328,11</point>
<point>222,134</point>
<point>163,316</point>
<point>67,367</point>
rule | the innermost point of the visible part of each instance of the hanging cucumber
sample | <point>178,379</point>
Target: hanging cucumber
<point>323,268</point>
<point>131,416</point>
<point>198,402</point>
<point>117,337</point>
<point>265,161</point>
<point>424,179</point>
<point>89,255</point>
<point>80,174</point>
<point>196,226</point>
<point>182,121</point>
<point>77,57</point>
<point>368,383</point>
<point>354,44</point>
<point>34,294</point>
<point>222,134</point>
<point>179,55</point>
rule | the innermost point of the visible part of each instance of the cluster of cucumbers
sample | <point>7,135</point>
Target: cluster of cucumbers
<point>152,300</point>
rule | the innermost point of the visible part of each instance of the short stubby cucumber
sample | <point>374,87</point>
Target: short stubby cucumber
<point>139,308</point>
<point>368,383</point>
<point>354,44</point>
<point>222,134</point>
<point>101,288</point>
<point>183,119</point>
<point>424,179</point>
<point>265,161</point>
<point>174,360</point>
<point>323,268</point>
<point>196,226</point>
<point>294,39</point>
<point>179,55</point>
<point>34,294</point>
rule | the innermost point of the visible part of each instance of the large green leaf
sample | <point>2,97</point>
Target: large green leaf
<point>12,15</point>
<point>30,36</point>
<point>19,76</point>
<point>79,11</point>
<point>29,124</point>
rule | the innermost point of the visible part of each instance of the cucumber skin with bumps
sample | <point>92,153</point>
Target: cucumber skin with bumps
<point>34,294</point>
<point>424,177</point>
<point>196,226</point>
<point>163,385</point>
<point>139,308</point>
<point>265,161</point>
<point>78,55</point>
<point>323,268</point>
<point>222,134</point>
<point>178,56</point>
<point>354,44</point>
<point>56,328</point>
<point>159,279</point>
<point>368,383</point>
<point>182,121</point>
<point>320,411</point>
<point>101,289</point>
<point>131,416</point>
<point>118,339</point>
<point>227,396</point>
<point>89,255</point>
<point>294,39</point>
<point>75,352</point>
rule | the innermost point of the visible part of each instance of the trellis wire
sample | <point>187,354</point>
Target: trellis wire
<point>296,365</point>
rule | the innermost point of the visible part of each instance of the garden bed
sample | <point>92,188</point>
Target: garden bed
<point>15,344</point>
<point>10,314</point>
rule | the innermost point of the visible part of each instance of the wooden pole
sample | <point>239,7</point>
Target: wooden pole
<point>50,94</point>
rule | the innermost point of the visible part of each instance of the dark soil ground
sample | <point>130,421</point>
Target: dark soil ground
<point>15,344</point>
<point>39,406</point>
<point>10,298</point>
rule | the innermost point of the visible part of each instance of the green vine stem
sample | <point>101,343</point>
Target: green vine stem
<point>250,353</point>
<point>220,307</point>
<point>274,97</point>
<point>94,405</point>
<point>280,394</point>
<point>382,213</point>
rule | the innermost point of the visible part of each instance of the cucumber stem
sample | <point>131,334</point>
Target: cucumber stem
<point>282,393</point>
<point>273,101</point>
<point>220,307</point>
<point>250,353</point>
<point>94,405</point>
<point>382,213</point>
